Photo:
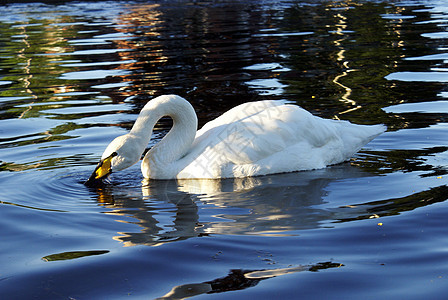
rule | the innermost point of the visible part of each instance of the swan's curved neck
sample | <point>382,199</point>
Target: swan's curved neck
<point>178,140</point>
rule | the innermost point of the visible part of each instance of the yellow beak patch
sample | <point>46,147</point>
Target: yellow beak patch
<point>105,167</point>
<point>102,170</point>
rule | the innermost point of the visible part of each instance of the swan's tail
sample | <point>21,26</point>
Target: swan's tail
<point>356,136</point>
<point>373,131</point>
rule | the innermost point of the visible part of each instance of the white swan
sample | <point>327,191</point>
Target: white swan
<point>252,139</point>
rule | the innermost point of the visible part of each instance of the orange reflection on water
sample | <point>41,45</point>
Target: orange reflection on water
<point>143,22</point>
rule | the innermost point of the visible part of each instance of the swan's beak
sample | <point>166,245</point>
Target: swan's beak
<point>102,171</point>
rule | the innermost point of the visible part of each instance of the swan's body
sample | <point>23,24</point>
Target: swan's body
<point>252,139</point>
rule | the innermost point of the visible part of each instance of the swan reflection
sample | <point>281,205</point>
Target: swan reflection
<point>173,210</point>
<point>162,214</point>
<point>278,205</point>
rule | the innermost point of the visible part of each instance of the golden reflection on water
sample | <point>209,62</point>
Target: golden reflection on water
<point>151,20</point>
<point>341,26</point>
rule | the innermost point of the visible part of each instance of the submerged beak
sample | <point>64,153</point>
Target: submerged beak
<point>102,171</point>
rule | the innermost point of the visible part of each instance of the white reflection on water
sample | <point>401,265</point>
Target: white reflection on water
<point>271,86</point>
<point>419,76</point>
<point>436,107</point>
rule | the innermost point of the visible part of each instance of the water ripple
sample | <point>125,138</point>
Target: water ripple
<point>51,190</point>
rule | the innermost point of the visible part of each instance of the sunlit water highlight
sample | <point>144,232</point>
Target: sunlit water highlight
<point>73,76</point>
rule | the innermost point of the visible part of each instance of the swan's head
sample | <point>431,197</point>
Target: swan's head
<point>122,152</point>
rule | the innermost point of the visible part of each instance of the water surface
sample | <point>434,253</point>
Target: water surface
<point>74,75</point>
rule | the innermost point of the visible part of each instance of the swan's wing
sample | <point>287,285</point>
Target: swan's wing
<point>275,130</point>
<point>242,111</point>
<point>278,138</point>
<point>241,137</point>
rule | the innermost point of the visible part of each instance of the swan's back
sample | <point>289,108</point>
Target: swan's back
<point>266,137</point>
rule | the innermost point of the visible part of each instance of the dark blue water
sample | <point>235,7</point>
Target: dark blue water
<point>74,75</point>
